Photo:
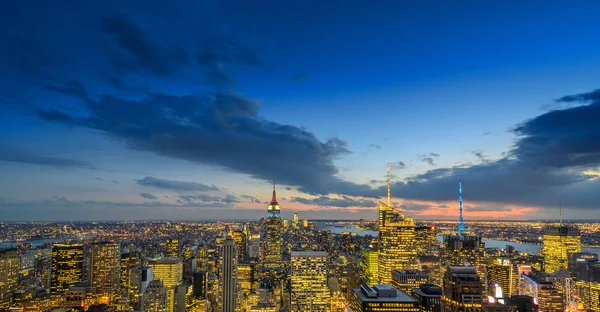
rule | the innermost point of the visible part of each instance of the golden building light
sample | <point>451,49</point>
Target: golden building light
<point>105,266</point>
<point>169,271</point>
<point>560,242</point>
<point>396,240</point>
<point>309,291</point>
<point>67,266</point>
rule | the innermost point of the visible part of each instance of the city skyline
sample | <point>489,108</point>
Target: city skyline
<point>152,111</point>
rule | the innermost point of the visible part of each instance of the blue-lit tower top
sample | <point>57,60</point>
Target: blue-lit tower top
<point>461,224</point>
<point>273,210</point>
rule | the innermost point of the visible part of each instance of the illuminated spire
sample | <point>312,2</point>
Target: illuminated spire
<point>389,187</point>
<point>274,199</point>
<point>461,225</point>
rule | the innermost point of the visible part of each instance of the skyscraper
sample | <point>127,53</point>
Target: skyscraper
<point>295,221</point>
<point>396,240</point>
<point>465,250</point>
<point>426,243</point>
<point>172,247</point>
<point>369,266</point>
<point>560,242</point>
<point>105,266</point>
<point>240,240</point>
<point>129,261</point>
<point>228,270</point>
<point>67,266</point>
<point>155,297</point>
<point>462,290</point>
<point>273,242</point>
<point>500,270</point>
<point>169,271</point>
<point>9,270</point>
<point>309,289</point>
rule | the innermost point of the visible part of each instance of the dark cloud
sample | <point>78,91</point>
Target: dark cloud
<point>148,196</point>
<point>549,157</point>
<point>17,154</point>
<point>175,185</point>
<point>199,198</point>
<point>206,129</point>
<point>144,55</point>
<point>106,180</point>
<point>374,146</point>
<point>482,158</point>
<point>344,201</point>
<point>217,51</point>
<point>230,199</point>
<point>299,78</point>
<point>427,158</point>
<point>398,165</point>
<point>288,188</point>
<point>251,198</point>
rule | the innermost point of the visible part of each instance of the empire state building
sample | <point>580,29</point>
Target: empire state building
<point>273,244</point>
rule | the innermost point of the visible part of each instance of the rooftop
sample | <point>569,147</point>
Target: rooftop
<point>382,293</point>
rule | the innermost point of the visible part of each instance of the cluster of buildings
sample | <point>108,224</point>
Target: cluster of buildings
<point>293,266</point>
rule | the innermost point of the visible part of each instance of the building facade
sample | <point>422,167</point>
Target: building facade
<point>559,243</point>
<point>67,266</point>
<point>228,275</point>
<point>309,291</point>
<point>462,290</point>
<point>273,237</point>
<point>169,271</point>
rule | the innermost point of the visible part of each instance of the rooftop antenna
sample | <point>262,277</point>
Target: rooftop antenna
<point>461,225</point>
<point>560,208</point>
<point>389,186</point>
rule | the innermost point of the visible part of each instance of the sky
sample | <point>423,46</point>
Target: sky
<point>137,110</point>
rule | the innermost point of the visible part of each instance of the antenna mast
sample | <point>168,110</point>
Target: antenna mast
<point>461,225</point>
<point>389,186</point>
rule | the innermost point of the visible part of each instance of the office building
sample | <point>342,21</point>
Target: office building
<point>523,304</point>
<point>580,259</point>
<point>369,265</point>
<point>172,248</point>
<point>273,239</point>
<point>382,298</point>
<point>550,298</point>
<point>241,243</point>
<point>254,247</point>
<point>309,291</point>
<point>9,276</point>
<point>396,240</point>
<point>105,267</point>
<point>501,271</point>
<point>155,297</point>
<point>426,243</point>
<point>430,265</point>
<point>559,243</point>
<point>462,290</point>
<point>336,303</point>
<point>129,261</point>
<point>43,271</point>
<point>169,271</point>
<point>295,221</point>
<point>246,277</point>
<point>228,274</point>
<point>67,266</point>
<point>429,297</point>
<point>587,285</point>
<point>465,250</point>
<point>406,280</point>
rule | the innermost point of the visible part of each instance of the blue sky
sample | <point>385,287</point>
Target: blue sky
<point>98,98</point>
